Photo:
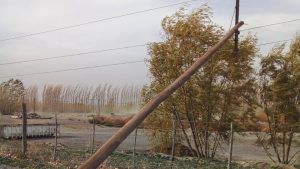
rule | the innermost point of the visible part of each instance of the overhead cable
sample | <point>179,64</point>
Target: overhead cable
<point>94,21</point>
<point>73,69</point>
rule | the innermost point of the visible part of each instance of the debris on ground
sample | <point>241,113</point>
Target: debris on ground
<point>29,116</point>
<point>181,150</point>
<point>113,120</point>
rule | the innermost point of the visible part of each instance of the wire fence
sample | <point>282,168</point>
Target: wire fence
<point>79,137</point>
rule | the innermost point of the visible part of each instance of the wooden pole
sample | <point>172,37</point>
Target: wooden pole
<point>237,32</point>
<point>134,144</point>
<point>24,129</point>
<point>107,148</point>
<point>230,147</point>
<point>55,146</point>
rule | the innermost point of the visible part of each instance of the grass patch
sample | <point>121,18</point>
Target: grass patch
<point>122,161</point>
<point>25,163</point>
<point>40,156</point>
<point>68,158</point>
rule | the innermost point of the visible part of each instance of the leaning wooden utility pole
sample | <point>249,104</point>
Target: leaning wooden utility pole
<point>237,32</point>
<point>109,146</point>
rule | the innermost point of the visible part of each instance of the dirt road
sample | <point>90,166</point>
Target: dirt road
<point>83,139</point>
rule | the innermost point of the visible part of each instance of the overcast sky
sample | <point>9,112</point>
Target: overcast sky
<point>20,17</point>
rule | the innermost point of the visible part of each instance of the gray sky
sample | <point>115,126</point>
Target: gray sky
<point>19,17</point>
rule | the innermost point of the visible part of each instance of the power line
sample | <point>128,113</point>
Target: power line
<point>115,64</point>
<point>272,24</point>
<point>232,19</point>
<point>74,54</point>
<point>108,65</point>
<point>128,14</point>
<point>73,69</point>
<point>95,21</point>
<point>269,43</point>
<point>105,50</point>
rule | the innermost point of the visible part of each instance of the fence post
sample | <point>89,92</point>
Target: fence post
<point>24,129</point>
<point>230,146</point>
<point>173,141</point>
<point>55,146</point>
<point>93,136</point>
<point>134,144</point>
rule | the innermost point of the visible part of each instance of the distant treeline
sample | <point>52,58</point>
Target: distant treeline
<point>103,98</point>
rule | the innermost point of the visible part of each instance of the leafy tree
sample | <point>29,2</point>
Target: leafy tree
<point>280,94</point>
<point>219,92</point>
<point>11,93</point>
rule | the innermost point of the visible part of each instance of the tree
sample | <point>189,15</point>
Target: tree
<point>219,92</point>
<point>11,95</point>
<point>280,94</point>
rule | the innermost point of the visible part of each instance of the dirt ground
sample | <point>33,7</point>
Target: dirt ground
<point>76,132</point>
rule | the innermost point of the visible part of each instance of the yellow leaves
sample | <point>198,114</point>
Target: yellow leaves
<point>280,82</point>
<point>294,52</point>
<point>216,88</point>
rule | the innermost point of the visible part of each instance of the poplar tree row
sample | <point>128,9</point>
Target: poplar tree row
<point>103,98</point>
<point>31,98</point>
<point>59,98</point>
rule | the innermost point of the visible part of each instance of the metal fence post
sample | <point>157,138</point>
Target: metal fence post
<point>93,136</point>
<point>230,146</point>
<point>55,146</point>
<point>24,129</point>
<point>173,141</point>
<point>134,144</point>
